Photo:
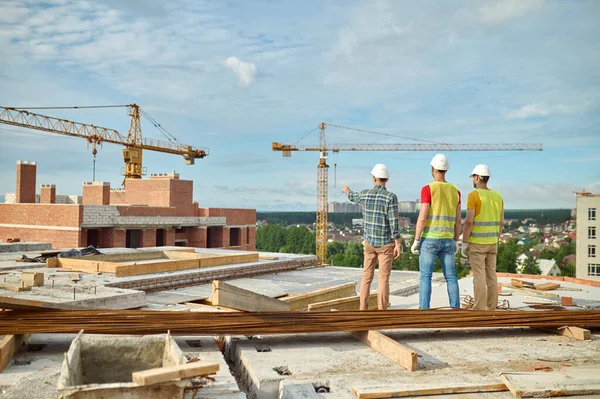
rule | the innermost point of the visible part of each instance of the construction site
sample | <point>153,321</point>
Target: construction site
<point>139,292</point>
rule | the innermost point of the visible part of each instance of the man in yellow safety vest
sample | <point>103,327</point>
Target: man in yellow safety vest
<point>439,226</point>
<point>483,226</point>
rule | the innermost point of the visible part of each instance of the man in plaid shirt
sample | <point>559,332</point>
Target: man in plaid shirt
<point>382,238</point>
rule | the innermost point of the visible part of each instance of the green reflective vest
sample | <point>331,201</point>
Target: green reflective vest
<point>442,212</point>
<point>486,225</point>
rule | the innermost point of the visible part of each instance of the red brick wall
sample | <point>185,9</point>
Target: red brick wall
<point>26,174</point>
<point>58,238</point>
<point>225,237</point>
<point>48,194</point>
<point>170,237</point>
<point>148,238</point>
<point>117,197</point>
<point>235,217</point>
<point>151,192</point>
<point>143,210</point>
<point>252,245</point>
<point>196,237</point>
<point>182,197</point>
<point>41,214</point>
<point>96,194</point>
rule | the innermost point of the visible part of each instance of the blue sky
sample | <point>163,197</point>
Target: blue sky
<point>235,76</point>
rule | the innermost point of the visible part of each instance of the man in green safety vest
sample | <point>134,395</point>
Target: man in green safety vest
<point>483,226</point>
<point>439,227</point>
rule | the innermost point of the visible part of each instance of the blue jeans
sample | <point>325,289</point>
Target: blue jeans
<point>429,250</point>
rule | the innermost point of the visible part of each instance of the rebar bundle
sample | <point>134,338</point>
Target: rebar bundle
<point>238,323</point>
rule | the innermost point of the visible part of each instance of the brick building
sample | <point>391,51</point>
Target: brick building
<point>147,212</point>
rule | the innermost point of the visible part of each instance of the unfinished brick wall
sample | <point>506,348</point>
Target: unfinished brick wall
<point>96,193</point>
<point>112,238</point>
<point>26,175</point>
<point>48,194</point>
<point>235,217</point>
<point>197,237</point>
<point>144,210</point>
<point>148,238</point>
<point>59,239</point>
<point>170,237</point>
<point>117,197</point>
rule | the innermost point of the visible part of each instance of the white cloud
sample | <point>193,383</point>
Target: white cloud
<point>498,12</point>
<point>245,71</point>
<point>543,110</point>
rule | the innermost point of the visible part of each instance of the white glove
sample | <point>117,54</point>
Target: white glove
<point>463,251</point>
<point>415,247</point>
<point>455,247</point>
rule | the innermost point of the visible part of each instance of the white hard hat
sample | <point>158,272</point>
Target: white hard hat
<point>481,170</point>
<point>440,162</point>
<point>380,171</point>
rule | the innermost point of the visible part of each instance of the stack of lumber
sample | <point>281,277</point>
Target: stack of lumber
<point>286,322</point>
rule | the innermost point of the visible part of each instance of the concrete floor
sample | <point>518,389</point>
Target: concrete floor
<point>341,363</point>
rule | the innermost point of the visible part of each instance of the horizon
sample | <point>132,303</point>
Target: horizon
<point>237,76</point>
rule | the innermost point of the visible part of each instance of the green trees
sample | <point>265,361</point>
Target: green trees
<point>530,266</point>
<point>506,261</point>
<point>276,238</point>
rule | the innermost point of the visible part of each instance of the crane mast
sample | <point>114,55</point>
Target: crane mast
<point>323,168</point>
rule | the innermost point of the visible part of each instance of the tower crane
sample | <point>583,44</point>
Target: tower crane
<point>323,168</point>
<point>96,135</point>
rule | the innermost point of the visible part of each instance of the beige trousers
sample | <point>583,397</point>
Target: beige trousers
<point>385,255</point>
<point>485,282</point>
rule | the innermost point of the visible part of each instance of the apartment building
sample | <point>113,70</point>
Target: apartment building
<point>588,243</point>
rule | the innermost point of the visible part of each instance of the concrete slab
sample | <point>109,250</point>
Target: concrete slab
<point>340,362</point>
<point>24,246</point>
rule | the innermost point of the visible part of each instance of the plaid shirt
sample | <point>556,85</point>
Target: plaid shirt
<point>380,214</point>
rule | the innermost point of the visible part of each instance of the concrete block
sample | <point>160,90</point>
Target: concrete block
<point>292,389</point>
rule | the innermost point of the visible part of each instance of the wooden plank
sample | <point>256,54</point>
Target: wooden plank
<point>173,373</point>
<point>530,290</point>
<point>207,305</point>
<point>224,294</point>
<point>301,301</point>
<point>350,303</point>
<point>9,346</point>
<point>567,382</point>
<point>546,286</point>
<point>74,277</point>
<point>87,266</point>
<point>32,279</point>
<point>15,287</point>
<point>580,334</point>
<point>412,390</point>
<point>520,283</point>
<point>133,256</point>
<point>228,259</point>
<point>155,267</point>
<point>389,348</point>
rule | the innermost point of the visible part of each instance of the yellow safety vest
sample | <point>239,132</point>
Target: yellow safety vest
<point>442,212</point>
<point>486,225</point>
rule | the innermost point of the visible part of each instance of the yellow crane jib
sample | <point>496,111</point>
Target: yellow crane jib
<point>134,142</point>
<point>323,168</point>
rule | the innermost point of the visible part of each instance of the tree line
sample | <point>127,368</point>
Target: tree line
<point>300,240</point>
<point>542,217</point>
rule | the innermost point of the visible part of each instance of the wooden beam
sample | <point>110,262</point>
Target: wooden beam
<point>227,295</point>
<point>529,290</point>
<point>221,260</point>
<point>32,279</point>
<point>87,266</point>
<point>350,303</point>
<point>173,373</point>
<point>389,348</point>
<point>580,334</point>
<point>373,393</point>
<point>301,301</point>
<point>566,382</point>
<point>155,267</point>
<point>9,346</point>
<point>520,283</point>
<point>546,286</point>
<point>17,287</point>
